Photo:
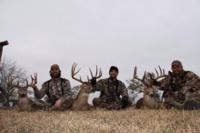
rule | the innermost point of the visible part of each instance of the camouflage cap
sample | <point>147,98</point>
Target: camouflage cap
<point>177,62</point>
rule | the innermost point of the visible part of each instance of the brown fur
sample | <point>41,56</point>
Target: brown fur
<point>149,100</point>
<point>24,103</point>
<point>81,101</point>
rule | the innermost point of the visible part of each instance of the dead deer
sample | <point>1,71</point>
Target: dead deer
<point>81,101</point>
<point>151,98</point>
<point>24,103</point>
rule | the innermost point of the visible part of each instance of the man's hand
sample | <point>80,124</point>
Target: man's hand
<point>33,83</point>
<point>58,104</point>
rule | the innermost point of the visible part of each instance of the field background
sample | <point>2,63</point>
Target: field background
<point>100,121</point>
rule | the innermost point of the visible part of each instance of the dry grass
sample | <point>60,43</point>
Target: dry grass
<point>130,120</point>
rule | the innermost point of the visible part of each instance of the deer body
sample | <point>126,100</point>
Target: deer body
<point>150,102</point>
<point>24,104</point>
<point>150,99</point>
<point>81,101</point>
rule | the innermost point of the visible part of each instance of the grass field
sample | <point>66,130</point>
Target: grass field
<point>100,121</point>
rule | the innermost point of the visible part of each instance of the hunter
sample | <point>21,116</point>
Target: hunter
<point>181,88</point>
<point>113,92</point>
<point>57,89</point>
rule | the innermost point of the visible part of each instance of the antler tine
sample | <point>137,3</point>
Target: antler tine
<point>135,72</point>
<point>135,75</point>
<point>100,74</point>
<point>10,80</point>
<point>162,73</point>
<point>144,76</point>
<point>73,73</point>
<point>152,75</point>
<point>35,76</point>
<point>160,70</point>
<point>74,69</point>
<point>91,73</point>
<point>27,85</point>
<point>96,71</point>
<point>156,72</point>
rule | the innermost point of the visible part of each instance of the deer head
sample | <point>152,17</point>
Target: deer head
<point>149,79</point>
<point>151,98</point>
<point>22,90</point>
<point>85,85</point>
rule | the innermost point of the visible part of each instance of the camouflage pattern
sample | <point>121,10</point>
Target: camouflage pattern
<point>110,92</point>
<point>56,89</point>
<point>179,89</point>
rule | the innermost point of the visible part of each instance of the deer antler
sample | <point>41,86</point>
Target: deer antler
<point>17,85</point>
<point>136,77</point>
<point>27,85</point>
<point>162,73</point>
<point>10,80</point>
<point>74,72</point>
<point>98,73</point>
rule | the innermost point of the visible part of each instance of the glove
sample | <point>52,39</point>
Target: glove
<point>125,102</point>
<point>93,81</point>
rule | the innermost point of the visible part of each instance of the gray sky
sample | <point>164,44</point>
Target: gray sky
<point>125,33</point>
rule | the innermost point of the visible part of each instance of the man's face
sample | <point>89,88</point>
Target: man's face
<point>113,74</point>
<point>55,72</point>
<point>177,69</point>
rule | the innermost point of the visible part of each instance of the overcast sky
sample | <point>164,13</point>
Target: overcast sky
<point>125,33</point>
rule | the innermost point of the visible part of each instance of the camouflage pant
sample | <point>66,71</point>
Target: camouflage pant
<point>102,103</point>
<point>191,101</point>
<point>42,105</point>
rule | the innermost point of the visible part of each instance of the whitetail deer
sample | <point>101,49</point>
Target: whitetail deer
<point>24,103</point>
<point>81,101</point>
<point>151,98</point>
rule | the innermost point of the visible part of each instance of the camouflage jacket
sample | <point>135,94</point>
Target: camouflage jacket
<point>55,89</point>
<point>185,82</point>
<point>111,90</point>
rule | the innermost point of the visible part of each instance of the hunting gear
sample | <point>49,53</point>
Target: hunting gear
<point>180,88</point>
<point>57,89</point>
<point>111,90</point>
